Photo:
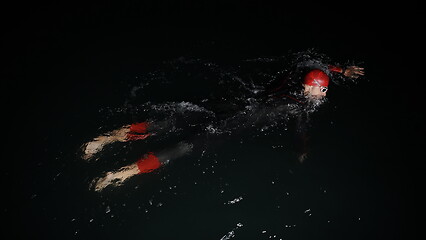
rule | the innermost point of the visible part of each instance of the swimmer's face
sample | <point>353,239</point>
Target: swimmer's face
<point>316,92</point>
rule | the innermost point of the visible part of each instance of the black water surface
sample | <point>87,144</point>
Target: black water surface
<point>71,65</point>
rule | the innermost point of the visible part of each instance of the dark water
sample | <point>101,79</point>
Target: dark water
<point>72,78</point>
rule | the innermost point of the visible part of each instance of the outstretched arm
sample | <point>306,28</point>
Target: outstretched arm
<point>351,71</point>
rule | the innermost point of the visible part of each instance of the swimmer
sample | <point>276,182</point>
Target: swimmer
<point>314,87</point>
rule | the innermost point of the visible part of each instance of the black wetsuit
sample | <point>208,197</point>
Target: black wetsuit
<point>242,100</point>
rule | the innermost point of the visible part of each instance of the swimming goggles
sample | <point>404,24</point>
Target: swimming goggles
<point>322,88</point>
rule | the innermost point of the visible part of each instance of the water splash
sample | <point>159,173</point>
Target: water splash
<point>231,233</point>
<point>236,200</point>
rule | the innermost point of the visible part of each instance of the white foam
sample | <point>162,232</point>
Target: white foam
<point>231,233</point>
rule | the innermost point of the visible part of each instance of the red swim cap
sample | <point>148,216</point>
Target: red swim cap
<point>315,77</point>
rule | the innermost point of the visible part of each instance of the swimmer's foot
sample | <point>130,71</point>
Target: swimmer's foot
<point>114,178</point>
<point>98,184</point>
<point>95,146</point>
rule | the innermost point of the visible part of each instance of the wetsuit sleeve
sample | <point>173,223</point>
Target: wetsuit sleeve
<point>337,69</point>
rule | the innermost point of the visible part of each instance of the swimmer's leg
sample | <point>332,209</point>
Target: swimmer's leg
<point>135,131</point>
<point>97,144</point>
<point>148,163</point>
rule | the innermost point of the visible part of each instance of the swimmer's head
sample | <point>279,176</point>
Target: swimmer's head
<point>316,83</point>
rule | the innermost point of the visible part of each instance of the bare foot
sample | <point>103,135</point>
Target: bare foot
<point>114,178</point>
<point>95,146</point>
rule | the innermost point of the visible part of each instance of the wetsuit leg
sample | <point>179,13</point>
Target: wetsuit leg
<point>138,131</point>
<point>152,161</point>
<point>142,130</point>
